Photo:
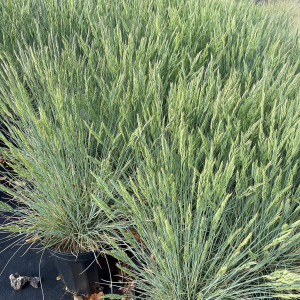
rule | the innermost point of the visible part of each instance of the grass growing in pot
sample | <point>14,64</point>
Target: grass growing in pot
<point>59,83</point>
<point>79,82</point>
<point>215,199</point>
<point>195,101</point>
<point>76,82</point>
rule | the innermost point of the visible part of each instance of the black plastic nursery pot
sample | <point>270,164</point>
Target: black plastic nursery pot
<point>86,273</point>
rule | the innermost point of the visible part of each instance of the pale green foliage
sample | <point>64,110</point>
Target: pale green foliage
<point>66,104</point>
<point>215,197</point>
<point>180,117</point>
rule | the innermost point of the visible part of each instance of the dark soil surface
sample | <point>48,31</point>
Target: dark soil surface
<point>29,263</point>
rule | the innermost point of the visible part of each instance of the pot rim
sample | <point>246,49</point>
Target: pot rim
<point>74,256</point>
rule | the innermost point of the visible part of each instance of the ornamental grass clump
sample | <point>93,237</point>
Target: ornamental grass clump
<point>74,92</point>
<point>215,196</point>
<point>49,150</point>
<point>177,121</point>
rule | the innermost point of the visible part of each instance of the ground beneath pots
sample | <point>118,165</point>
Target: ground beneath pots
<point>29,263</point>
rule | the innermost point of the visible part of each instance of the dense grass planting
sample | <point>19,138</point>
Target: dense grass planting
<point>176,119</point>
<point>215,199</point>
<point>69,97</point>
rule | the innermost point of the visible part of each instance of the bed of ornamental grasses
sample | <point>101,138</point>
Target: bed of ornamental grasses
<point>177,119</point>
